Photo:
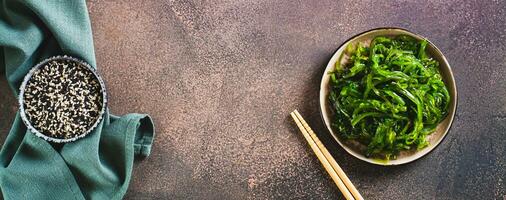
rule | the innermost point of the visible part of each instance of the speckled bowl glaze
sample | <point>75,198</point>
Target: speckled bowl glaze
<point>355,148</point>
<point>22,91</point>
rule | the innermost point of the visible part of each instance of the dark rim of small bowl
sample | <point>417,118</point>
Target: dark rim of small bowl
<point>22,91</point>
<point>451,74</point>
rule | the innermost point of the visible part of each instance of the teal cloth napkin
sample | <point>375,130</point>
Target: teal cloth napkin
<point>99,166</point>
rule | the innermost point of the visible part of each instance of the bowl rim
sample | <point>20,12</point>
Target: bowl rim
<point>373,161</point>
<point>28,77</point>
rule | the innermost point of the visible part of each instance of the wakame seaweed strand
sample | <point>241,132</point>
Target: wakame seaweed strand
<point>63,99</point>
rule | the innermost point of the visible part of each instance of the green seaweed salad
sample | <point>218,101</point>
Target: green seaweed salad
<point>388,96</point>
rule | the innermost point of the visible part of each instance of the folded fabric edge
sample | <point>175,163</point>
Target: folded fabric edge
<point>144,135</point>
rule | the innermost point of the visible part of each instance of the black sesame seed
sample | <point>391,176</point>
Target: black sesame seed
<point>63,99</point>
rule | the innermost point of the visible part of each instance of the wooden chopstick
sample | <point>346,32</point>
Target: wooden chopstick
<point>323,160</point>
<point>330,159</point>
<point>349,191</point>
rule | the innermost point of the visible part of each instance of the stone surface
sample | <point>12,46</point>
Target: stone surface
<point>221,77</point>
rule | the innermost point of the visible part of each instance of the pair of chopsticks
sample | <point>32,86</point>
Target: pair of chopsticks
<point>329,163</point>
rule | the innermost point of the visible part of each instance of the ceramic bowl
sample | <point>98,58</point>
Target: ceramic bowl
<point>22,94</point>
<point>356,149</point>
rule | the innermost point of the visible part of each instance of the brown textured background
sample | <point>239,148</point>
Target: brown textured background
<point>221,77</point>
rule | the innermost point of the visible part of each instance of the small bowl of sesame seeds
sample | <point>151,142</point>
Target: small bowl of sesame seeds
<point>62,99</point>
